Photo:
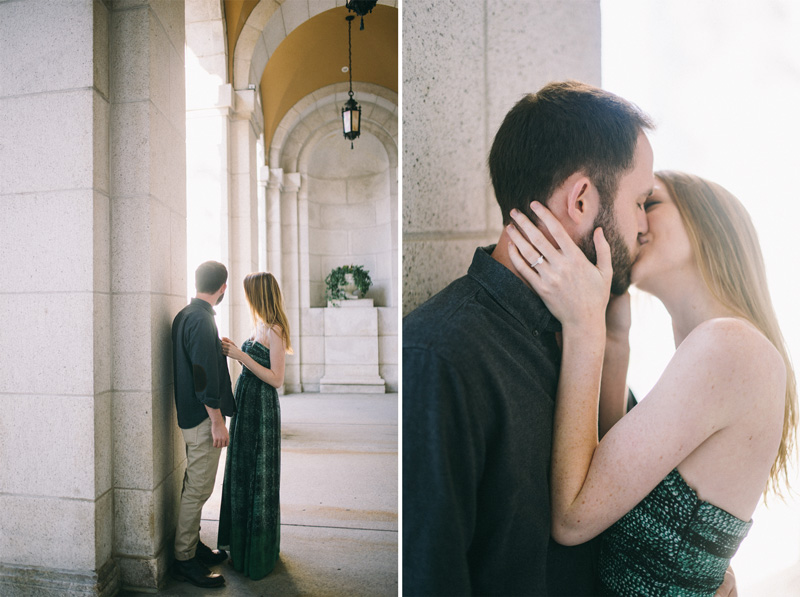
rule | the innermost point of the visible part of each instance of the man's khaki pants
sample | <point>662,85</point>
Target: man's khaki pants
<point>202,459</point>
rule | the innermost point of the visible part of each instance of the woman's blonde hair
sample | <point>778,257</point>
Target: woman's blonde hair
<point>266,303</point>
<point>727,251</point>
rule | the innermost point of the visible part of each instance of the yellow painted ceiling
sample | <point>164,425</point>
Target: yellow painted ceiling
<point>312,56</point>
<point>236,13</point>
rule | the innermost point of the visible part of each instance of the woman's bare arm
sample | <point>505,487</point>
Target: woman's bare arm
<point>277,356</point>
<point>614,385</point>
<point>716,369</point>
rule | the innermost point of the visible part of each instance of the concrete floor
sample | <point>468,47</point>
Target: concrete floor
<point>338,502</point>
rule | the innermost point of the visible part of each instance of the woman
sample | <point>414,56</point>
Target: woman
<point>249,525</point>
<point>672,484</point>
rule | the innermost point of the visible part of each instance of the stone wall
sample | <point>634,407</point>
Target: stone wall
<point>92,239</point>
<point>350,199</point>
<point>349,220</point>
<point>487,56</point>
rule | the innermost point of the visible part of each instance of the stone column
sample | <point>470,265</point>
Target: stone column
<point>245,130</point>
<point>209,110</point>
<point>303,264</point>
<point>56,487</point>
<point>274,185</point>
<point>148,279</point>
<point>208,187</point>
<point>291,274</point>
<point>263,182</point>
<point>92,238</point>
<point>304,281</point>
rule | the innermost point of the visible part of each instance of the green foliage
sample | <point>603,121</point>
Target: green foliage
<point>335,280</point>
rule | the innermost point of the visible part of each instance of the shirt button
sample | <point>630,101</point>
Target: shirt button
<point>535,333</point>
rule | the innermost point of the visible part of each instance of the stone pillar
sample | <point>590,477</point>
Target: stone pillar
<point>304,273</point>
<point>304,279</point>
<point>148,280</point>
<point>209,110</point>
<point>92,238</point>
<point>290,284</point>
<point>263,182</point>
<point>274,185</point>
<point>56,487</point>
<point>208,188</point>
<point>245,130</point>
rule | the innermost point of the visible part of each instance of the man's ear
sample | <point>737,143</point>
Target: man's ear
<point>583,200</point>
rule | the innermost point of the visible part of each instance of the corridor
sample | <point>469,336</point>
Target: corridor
<point>338,502</point>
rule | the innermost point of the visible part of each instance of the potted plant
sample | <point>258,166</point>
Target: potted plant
<point>343,281</point>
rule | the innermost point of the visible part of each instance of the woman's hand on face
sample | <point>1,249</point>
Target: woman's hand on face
<point>575,291</point>
<point>229,349</point>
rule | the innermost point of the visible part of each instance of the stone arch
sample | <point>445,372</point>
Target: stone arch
<point>309,123</point>
<point>266,27</point>
<point>364,205</point>
<point>284,184</point>
<point>321,109</point>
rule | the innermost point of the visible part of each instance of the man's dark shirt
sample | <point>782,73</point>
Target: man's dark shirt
<point>199,368</point>
<point>480,373</point>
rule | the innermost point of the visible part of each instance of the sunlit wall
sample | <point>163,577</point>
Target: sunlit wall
<point>722,81</point>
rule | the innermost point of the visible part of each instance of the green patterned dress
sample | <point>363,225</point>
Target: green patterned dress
<point>249,521</point>
<point>672,543</point>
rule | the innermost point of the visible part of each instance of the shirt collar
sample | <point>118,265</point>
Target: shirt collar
<point>510,292</point>
<point>204,304</point>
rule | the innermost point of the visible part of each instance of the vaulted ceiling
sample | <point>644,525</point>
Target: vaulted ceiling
<point>313,54</point>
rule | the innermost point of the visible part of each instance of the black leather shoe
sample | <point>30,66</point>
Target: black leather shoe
<point>194,572</point>
<point>208,556</point>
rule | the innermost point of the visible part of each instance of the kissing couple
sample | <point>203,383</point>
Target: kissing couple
<point>525,469</point>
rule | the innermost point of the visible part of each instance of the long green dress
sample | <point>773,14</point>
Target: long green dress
<point>671,544</point>
<point>249,522</point>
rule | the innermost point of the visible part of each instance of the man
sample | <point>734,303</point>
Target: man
<point>481,358</point>
<point>203,399</point>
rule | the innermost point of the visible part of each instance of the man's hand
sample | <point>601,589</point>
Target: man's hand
<point>219,433</point>
<point>728,586</point>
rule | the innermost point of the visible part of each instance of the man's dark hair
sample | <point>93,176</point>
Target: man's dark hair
<point>565,127</point>
<point>210,276</point>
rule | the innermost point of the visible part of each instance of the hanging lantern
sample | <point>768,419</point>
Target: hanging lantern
<point>351,119</point>
<point>351,111</point>
<point>361,7</point>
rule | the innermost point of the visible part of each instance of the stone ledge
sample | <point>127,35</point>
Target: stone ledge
<point>352,303</point>
<point>24,581</point>
<point>352,385</point>
<point>351,389</point>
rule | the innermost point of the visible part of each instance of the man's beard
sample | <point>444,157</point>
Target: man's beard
<point>222,296</point>
<point>621,259</point>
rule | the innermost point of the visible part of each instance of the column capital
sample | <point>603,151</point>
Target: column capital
<point>303,192</point>
<point>275,179</point>
<point>221,106</point>
<point>291,182</point>
<point>247,106</point>
<point>263,175</point>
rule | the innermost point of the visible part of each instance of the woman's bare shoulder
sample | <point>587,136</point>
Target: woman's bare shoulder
<point>736,348</point>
